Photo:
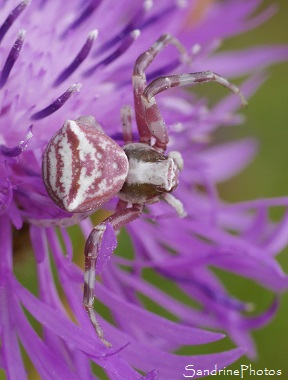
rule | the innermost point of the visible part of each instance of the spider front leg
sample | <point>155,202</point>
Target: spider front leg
<point>93,244</point>
<point>164,83</point>
<point>151,110</point>
<point>149,128</point>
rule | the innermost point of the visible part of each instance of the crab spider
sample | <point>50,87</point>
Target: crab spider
<point>83,168</point>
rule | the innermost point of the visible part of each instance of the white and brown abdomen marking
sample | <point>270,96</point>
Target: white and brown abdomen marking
<point>82,167</point>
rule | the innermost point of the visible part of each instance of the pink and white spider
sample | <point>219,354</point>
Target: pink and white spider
<point>83,168</point>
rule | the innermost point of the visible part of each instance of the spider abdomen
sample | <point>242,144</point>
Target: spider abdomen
<point>82,167</point>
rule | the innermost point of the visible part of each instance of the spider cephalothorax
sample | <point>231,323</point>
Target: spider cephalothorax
<point>150,174</point>
<point>83,168</point>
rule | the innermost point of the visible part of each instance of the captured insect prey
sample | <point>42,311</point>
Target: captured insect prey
<point>83,168</point>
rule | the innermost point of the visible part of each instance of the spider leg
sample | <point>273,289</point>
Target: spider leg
<point>121,205</point>
<point>139,84</point>
<point>163,83</point>
<point>126,119</point>
<point>93,244</point>
<point>151,110</point>
<point>175,203</point>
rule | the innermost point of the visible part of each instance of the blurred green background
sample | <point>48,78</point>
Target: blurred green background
<point>267,121</point>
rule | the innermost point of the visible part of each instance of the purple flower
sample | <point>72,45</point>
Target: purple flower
<point>57,65</point>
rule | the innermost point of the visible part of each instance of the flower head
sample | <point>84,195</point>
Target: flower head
<point>58,65</point>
